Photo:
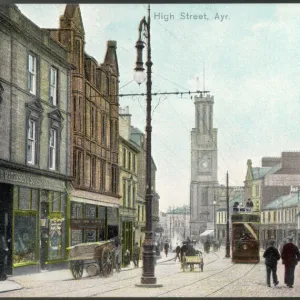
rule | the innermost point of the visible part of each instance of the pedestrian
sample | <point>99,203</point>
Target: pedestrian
<point>290,256</point>
<point>166,247</point>
<point>127,258</point>
<point>177,253</point>
<point>136,255</point>
<point>3,253</point>
<point>271,256</point>
<point>183,250</point>
<point>207,246</point>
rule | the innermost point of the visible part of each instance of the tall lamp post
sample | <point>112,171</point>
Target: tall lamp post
<point>148,276</point>
<point>228,216</point>
<point>214,204</point>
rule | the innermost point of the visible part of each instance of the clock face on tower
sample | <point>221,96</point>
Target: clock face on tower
<point>204,163</point>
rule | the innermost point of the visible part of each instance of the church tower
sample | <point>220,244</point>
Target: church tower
<point>204,167</point>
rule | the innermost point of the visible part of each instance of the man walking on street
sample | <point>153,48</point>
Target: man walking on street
<point>290,256</point>
<point>136,255</point>
<point>271,256</point>
<point>166,247</point>
<point>177,253</point>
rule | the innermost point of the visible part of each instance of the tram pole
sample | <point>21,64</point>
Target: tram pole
<point>227,224</point>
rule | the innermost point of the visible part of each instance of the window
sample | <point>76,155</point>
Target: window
<point>31,142</point>
<point>93,122</point>
<point>133,163</point>
<point>80,115</point>
<point>52,149</point>
<point>32,74</point>
<point>129,160</point>
<point>79,161</point>
<point>93,172</point>
<point>114,177</point>
<point>102,175</point>
<point>53,86</point>
<point>257,190</point>
<point>133,195</point>
<point>129,195</point>
<point>74,112</point>
<point>124,193</point>
<point>103,130</point>
<point>124,157</point>
<point>138,213</point>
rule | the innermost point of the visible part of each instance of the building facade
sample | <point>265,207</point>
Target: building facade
<point>35,144</point>
<point>204,165</point>
<point>94,191</point>
<point>129,209</point>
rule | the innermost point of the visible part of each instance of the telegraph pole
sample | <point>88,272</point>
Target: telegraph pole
<point>227,224</point>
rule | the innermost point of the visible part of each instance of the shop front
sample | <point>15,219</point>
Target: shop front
<point>33,211</point>
<point>93,221</point>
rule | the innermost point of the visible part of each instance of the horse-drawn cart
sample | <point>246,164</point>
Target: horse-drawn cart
<point>97,258</point>
<point>196,259</point>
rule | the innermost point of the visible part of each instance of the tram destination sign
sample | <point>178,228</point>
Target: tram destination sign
<point>245,218</point>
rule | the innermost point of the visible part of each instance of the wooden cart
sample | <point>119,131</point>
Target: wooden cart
<point>97,258</point>
<point>191,261</point>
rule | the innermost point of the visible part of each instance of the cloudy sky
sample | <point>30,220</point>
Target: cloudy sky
<point>252,67</point>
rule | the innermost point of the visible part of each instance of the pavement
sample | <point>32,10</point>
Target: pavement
<point>23,281</point>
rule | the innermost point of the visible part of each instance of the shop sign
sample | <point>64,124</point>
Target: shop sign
<point>16,177</point>
<point>86,223</point>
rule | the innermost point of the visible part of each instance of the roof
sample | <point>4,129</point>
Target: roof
<point>261,172</point>
<point>134,130</point>
<point>283,201</point>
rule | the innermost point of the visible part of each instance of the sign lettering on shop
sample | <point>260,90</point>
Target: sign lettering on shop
<point>29,180</point>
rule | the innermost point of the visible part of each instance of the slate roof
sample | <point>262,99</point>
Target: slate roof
<point>261,172</point>
<point>283,201</point>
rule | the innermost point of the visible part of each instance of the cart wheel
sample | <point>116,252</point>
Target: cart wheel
<point>76,267</point>
<point>117,264</point>
<point>107,262</point>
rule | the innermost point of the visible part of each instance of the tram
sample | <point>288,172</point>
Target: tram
<point>245,237</point>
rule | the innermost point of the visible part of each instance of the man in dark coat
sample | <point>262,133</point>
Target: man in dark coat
<point>3,253</point>
<point>183,250</point>
<point>290,256</point>
<point>166,247</point>
<point>271,256</point>
<point>177,253</point>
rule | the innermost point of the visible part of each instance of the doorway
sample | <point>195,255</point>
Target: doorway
<point>6,222</point>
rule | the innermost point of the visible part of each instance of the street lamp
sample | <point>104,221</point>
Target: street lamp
<point>148,276</point>
<point>214,204</point>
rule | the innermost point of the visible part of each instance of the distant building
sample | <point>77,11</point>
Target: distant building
<point>204,166</point>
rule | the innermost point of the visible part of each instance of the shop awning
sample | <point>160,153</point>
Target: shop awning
<point>207,232</point>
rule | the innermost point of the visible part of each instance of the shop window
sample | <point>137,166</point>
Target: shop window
<point>25,197</point>
<point>56,202</point>
<point>25,246</point>
<point>90,211</point>
<point>76,236</point>
<point>90,235</point>
<point>55,238</point>
<point>76,210</point>
<point>34,199</point>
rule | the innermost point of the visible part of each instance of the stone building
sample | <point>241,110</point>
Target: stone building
<point>94,191</point>
<point>204,165</point>
<point>129,208</point>
<point>35,143</point>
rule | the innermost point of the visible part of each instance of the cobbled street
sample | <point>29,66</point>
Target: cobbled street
<point>220,278</point>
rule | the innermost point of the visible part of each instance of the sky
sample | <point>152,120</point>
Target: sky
<point>251,54</point>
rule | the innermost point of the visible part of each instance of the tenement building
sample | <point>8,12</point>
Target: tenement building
<point>94,191</point>
<point>34,156</point>
<point>204,165</point>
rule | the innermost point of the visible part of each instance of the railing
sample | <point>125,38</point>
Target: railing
<point>242,209</point>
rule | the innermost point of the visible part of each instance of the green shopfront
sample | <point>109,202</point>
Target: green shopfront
<point>33,212</point>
